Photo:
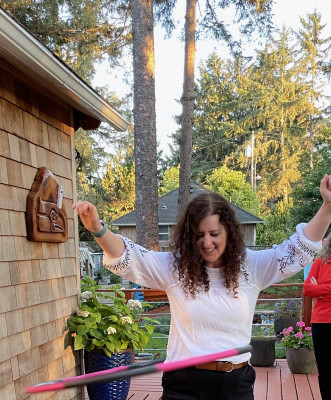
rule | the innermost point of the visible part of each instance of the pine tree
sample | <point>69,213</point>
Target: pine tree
<point>314,52</point>
<point>80,32</point>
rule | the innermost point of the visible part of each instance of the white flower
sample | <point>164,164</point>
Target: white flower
<point>111,330</point>
<point>126,320</point>
<point>82,313</point>
<point>86,295</point>
<point>132,304</point>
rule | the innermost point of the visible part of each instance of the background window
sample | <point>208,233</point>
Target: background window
<point>163,233</point>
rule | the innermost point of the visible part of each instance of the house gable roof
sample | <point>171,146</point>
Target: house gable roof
<point>27,54</point>
<point>167,209</point>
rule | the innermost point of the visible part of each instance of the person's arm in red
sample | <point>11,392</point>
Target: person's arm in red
<point>311,286</point>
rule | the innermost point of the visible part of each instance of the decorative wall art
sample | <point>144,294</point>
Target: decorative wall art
<point>46,215</point>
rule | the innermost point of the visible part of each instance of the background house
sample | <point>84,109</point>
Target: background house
<point>42,103</point>
<point>167,209</point>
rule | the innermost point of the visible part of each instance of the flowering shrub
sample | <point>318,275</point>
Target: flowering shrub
<point>290,308</point>
<point>109,327</point>
<point>302,338</point>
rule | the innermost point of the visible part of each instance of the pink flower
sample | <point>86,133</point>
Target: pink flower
<point>286,331</point>
<point>301,324</point>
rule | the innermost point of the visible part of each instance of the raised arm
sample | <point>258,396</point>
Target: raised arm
<point>316,229</point>
<point>112,244</point>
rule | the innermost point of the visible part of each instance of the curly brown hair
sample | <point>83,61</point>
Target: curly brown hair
<point>188,260</point>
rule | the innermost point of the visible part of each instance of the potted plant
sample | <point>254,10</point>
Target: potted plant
<point>299,348</point>
<point>287,313</point>
<point>97,276</point>
<point>263,343</point>
<point>105,274</point>
<point>108,333</point>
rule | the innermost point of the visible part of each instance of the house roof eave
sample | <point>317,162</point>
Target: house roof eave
<point>21,49</point>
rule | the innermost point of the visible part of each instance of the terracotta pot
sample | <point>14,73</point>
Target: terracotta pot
<point>301,360</point>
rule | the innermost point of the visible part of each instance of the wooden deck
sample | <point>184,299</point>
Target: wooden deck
<point>274,383</point>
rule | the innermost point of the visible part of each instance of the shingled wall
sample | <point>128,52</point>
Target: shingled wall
<point>39,282</point>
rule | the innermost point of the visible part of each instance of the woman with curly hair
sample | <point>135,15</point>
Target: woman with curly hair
<point>318,285</point>
<point>212,283</point>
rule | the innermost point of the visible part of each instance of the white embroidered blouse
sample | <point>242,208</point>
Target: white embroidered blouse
<point>215,320</point>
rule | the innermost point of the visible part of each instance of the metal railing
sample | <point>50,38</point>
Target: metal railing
<point>159,299</point>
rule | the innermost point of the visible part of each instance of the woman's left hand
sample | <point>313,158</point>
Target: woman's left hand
<point>325,188</point>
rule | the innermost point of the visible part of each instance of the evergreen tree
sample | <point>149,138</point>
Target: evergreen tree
<point>274,98</point>
<point>249,15</point>
<point>80,32</point>
<point>306,196</point>
<point>216,113</point>
<point>118,184</point>
<point>313,53</point>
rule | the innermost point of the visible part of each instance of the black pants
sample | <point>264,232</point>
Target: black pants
<point>198,384</point>
<point>322,347</point>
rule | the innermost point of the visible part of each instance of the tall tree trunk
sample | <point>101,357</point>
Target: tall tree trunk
<point>187,101</point>
<point>145,124</point>
<point>283,164</point>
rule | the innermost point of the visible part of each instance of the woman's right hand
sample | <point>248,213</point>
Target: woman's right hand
<point>89,215</point>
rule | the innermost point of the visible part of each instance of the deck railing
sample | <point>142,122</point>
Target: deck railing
<point>159,298</point>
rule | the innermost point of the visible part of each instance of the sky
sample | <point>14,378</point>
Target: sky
<point>169,61</point>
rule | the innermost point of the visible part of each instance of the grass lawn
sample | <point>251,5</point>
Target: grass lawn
<point>157,345</point>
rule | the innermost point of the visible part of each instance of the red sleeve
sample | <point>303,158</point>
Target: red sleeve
<point>315,290</point>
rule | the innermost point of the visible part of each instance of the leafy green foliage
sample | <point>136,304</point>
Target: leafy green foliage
<point>110,327</point>
<point>265,329</point>
<point>277,225</point>
<point>170,180</point>
<point>306,196</point>
<point>232,185</point>
<point>291,308</point>
<point>118,184</point>
<point>288,291</point>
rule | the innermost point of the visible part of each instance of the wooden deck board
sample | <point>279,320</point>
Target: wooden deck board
<point>313,383</point>
<point>274,391</point>
<point>273,383</point>
<point>288,384</point>
<point>261,384</point>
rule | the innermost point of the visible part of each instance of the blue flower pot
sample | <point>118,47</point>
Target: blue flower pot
<point>97,360</point>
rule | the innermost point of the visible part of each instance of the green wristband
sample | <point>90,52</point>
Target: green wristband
<point>102,232</point>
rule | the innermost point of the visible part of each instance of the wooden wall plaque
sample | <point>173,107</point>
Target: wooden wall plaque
<point>46,216</point>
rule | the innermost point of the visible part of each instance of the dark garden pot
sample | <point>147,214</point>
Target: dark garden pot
<point>263,352</point>
<point>97,360</point>
<point>284,322</point>
<point>301,360</point>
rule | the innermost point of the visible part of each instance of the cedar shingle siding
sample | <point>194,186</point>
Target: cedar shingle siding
<point>39,282</point>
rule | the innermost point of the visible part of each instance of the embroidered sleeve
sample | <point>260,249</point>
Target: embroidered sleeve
<point>266,267</point>
<point>139,265</point>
